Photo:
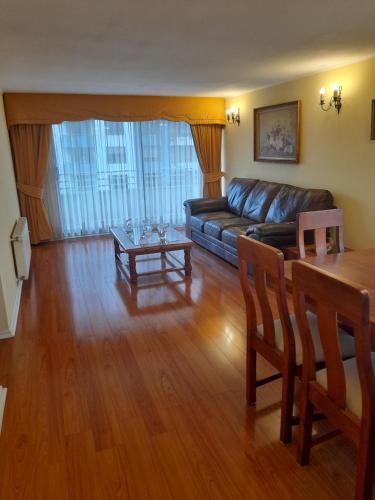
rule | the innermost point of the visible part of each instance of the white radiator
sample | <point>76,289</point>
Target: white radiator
<point>21,248</point>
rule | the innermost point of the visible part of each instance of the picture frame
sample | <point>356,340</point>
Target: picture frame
<point>277,133</point>
<point>373,120</point>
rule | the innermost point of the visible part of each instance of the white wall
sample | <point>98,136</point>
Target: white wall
<point>9,213</point>
<point>336,150</point>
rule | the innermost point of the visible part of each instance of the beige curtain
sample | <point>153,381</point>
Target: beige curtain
<point>207,142</point>
<point>30,144</point>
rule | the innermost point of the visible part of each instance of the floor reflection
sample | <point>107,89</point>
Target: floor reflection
<point>155,293</point>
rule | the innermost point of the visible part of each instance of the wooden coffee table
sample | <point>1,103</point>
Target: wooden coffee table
<point>129,244</point>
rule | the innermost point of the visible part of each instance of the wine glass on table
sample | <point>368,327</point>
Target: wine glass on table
<point>129,227</point>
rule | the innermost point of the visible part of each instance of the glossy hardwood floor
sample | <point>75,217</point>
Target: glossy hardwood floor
<point>138,393</point>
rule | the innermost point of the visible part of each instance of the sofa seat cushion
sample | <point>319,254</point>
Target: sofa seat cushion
<point>353,384</point>
<point>215,227</point>
<point>346,340</point>
<point>229,236</point>
<point>259,200</point>
<point>197,221</point>
<point>237,193</point>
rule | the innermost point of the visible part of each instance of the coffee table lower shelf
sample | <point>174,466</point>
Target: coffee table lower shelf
<point>133,253</point>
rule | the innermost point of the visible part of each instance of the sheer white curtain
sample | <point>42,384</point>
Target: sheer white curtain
<point>102,173</point>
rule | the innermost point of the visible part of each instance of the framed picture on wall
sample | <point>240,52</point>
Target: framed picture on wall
<point>373,120</point>
<point>277,133</point>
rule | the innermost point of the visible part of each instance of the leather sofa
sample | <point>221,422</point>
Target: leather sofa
<point>262,210</point>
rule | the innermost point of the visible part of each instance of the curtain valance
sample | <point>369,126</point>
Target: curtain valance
<point>43,109</point>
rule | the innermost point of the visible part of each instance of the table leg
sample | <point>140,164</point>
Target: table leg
<point>117,249</point>
<point>372,329</point>
<point>132,269</point>
<point>187,261</point>
<point>163,261</point>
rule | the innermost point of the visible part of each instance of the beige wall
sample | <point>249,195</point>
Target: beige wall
<point>9,212</point>
<point>336,151</point>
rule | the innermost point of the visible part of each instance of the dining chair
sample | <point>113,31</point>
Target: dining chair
<point>319,222</point>
<point>274,338</point>
<point>345,390</point>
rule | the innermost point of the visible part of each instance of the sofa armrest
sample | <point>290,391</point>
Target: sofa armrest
<point>281,229</point>
<point>200,205</point>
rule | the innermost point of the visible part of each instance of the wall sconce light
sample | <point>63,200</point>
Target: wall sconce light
<point>232,116</point>
<point>335,100</point>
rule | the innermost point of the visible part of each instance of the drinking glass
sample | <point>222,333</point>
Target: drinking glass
<point>146,226</point>
<point>129,225</point>
<point>162,232</point>
<point>143,240</point>
<point>154,226</point>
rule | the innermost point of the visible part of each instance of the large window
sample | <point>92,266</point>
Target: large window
<point>102,173</point>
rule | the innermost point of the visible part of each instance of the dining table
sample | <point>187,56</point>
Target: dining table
<point>357,266</point>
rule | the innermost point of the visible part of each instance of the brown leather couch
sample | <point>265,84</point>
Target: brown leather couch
<point>265,211</point>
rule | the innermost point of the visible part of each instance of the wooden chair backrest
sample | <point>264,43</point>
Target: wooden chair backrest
<point>319,221</point>
<point>333,297</point>
<point>267,267</point>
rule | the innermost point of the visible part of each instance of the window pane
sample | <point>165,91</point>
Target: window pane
<point>116,154</point>
<point>106,172</point>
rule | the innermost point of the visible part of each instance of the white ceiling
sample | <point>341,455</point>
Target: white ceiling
<point>177,47</point>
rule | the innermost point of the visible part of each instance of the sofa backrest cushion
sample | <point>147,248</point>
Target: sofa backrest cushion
<point>259,200</point>
<point>291,199</point>
<point>237,192</point>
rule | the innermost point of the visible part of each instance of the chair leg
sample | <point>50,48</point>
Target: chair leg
<point>251,375</point>
<point>365,465</point>
<point>305,428</point>
<point>287,403</point>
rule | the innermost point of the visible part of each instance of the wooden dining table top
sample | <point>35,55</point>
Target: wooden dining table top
<point>357,266</point>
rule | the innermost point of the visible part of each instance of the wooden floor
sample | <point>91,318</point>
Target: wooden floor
<point>138,393</point>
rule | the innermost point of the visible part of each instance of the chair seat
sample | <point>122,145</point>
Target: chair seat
<point>346,340</point>
<point>353,384</point>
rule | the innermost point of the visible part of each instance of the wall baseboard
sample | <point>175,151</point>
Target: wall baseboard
<point>11,331</point>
